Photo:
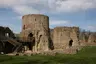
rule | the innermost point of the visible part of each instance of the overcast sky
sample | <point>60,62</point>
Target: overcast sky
<point>80,13</point>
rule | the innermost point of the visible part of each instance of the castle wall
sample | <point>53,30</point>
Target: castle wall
<point>87,38</point>
<point>5,32</point>
<point>65,37</point>
<point>38,26</point>
<point>35,30</point>
<point>92,39</point>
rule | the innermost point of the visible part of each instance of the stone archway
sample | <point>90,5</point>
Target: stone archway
<point>7,34</point>
<point>70,43</point>
<point>31,41</point>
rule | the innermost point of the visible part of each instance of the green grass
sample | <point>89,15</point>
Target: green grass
<point>86,56</point>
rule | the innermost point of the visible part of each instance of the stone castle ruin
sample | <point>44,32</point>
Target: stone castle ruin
<point>5,31</point>
<point>92,38</point>
<point>7,42</point>
<point>87,38</point>
<point>35,30</point>
<point>65,37</point>
<point>37,37</point>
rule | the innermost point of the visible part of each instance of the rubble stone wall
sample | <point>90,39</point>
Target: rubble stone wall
<point>92,39</point>
<point>65,37</point>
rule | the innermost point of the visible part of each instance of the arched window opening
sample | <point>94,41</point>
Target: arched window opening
<point>31,42</point>
<point>70,43</point>
<point>30,36</point>
<point>7,34</point>
<point>35,19</point>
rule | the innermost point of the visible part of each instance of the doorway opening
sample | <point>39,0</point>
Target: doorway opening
<point>70,43</point>
<point>31,43</point>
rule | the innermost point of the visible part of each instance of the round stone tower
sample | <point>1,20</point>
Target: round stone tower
<point>36,26</point>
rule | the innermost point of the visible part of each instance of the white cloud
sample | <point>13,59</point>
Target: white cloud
<point>73,5</point>
<point>33,6</point>
<point>10,3</point>
<point>19,6</point>
<point>22,10</point>
<point>58,22</point>
<point>91,28</point>
<point>54,23</point>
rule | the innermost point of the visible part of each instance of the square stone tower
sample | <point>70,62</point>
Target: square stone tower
<point>65,37</point>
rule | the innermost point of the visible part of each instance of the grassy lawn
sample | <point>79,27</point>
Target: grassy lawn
<point>86,56</point>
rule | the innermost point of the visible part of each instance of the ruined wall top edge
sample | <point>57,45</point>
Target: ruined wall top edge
<point>34,15</point>
<point>3,27</point>
<point>59,29</point>
<point>65,27</point>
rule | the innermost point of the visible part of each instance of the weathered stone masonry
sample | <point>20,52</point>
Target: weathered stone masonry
<point>36,26</point>
<point>38,38</point>
<point>36,32</point>
<point>65,37</point>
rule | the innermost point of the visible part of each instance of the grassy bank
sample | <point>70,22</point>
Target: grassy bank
<point>86,56</point>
